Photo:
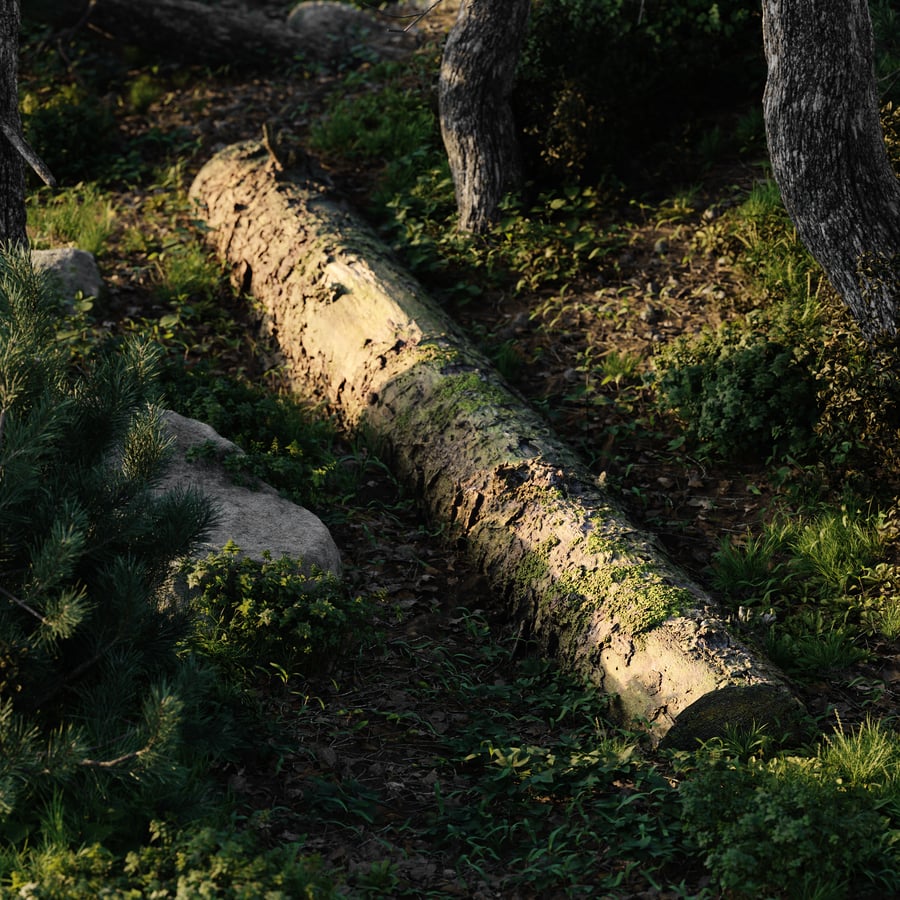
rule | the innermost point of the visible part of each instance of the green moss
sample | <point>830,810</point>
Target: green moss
<point>533,568</point>
<point>634,595</point>
<point>469,391</point>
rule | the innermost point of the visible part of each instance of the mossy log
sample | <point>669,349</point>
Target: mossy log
<point>359,333</point>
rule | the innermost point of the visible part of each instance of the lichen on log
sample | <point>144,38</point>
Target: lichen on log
<point>356,331</point>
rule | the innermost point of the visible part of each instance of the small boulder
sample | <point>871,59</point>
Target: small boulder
<point>255,518</point>
<point>73,270</point>
<point>340,32</point>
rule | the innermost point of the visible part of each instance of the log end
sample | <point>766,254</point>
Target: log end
<point>734,707</point>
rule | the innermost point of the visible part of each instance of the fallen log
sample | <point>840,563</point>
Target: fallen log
<point>595,592</point>
<point>325,34</point>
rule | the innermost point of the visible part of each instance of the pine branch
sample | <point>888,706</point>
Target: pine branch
<point>23,605</point>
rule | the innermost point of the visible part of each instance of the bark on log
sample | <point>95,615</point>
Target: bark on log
<point>478,68</point>
<point>358,332</point>
<point>828,153</point>
<point>195,32</point>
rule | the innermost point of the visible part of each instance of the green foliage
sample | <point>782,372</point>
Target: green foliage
<point>859,398</point>
<point>886,28</point>
<point>553,787</point>
<point>546,243</point>
<point>271,614</point>
<point>71,130</point>
<point>801,578</point>
<point>376,124</point>
<point>588,65</point>
<point>284,444</point>
<point>92,691</point>
<point>82,216</point>
<point>228,864</point>
<point>740,394</point>
<point>801,828</point>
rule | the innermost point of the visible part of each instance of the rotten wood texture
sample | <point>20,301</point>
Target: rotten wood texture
<point>12,173</point>
<point>478,68</point>
<point>358,332</point>
<point>828,153</point>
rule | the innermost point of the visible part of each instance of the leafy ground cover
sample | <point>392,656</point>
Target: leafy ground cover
<point>663,327</point>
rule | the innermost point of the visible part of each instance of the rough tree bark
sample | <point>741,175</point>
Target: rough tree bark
<point>476,79</point>
<point>356,331</point>
<point>828,153</point>
<point>12,173</point>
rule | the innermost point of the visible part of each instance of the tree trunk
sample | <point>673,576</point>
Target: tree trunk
<point>477,74</point>
<point>194,32</point>
<point>358,332</point>
<point>828,154</point>
<point>12,174</point>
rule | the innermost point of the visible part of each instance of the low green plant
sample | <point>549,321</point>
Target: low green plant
<point>73,132</point>
<point>380,115</point>
<point>82,216</point>
<point>739,394</point>
<point>825,826</point>
<point>554,789</point>
<point>284,442</point>
<point>144,90</point>
<point>264,614</point>
<point>229,863</point>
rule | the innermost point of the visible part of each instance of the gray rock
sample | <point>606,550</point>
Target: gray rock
<point>256,518</point>
<point>73,270</point>
<point>329,17</point>
<point>339,31</point>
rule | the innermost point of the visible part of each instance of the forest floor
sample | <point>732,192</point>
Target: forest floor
<point>370,744</point>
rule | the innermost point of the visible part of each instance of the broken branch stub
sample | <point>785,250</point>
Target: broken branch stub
<point>595,592</point>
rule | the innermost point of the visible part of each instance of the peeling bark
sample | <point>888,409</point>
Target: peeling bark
<point>828,153</point>
<point>356,331</point>
<point>478,69</point>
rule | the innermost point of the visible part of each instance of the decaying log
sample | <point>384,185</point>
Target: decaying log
<point>361,334</point>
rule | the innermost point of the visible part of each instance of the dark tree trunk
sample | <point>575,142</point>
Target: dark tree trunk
<point>12,173</point>
<point>828,153</point>
<point>477,74</point>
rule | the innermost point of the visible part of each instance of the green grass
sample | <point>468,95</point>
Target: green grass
<point>82,216</point>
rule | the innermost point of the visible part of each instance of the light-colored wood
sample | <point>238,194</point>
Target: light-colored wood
<point>359,334</point>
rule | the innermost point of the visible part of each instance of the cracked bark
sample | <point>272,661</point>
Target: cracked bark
<point>478,69</point>
<point>828,154</point>
<point>12,174</point>
<point>356,332</point>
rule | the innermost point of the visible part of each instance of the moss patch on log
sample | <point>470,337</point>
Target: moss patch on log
<point>635,596</point>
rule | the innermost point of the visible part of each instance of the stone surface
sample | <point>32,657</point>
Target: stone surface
<point>340,30</point>
<point>74,270</point>
<point>256,518</point>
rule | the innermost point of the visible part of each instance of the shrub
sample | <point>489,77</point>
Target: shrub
<point>801,828</point>
<point>740,394</point>
<point>204,862</point>
<point>270,614</point>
